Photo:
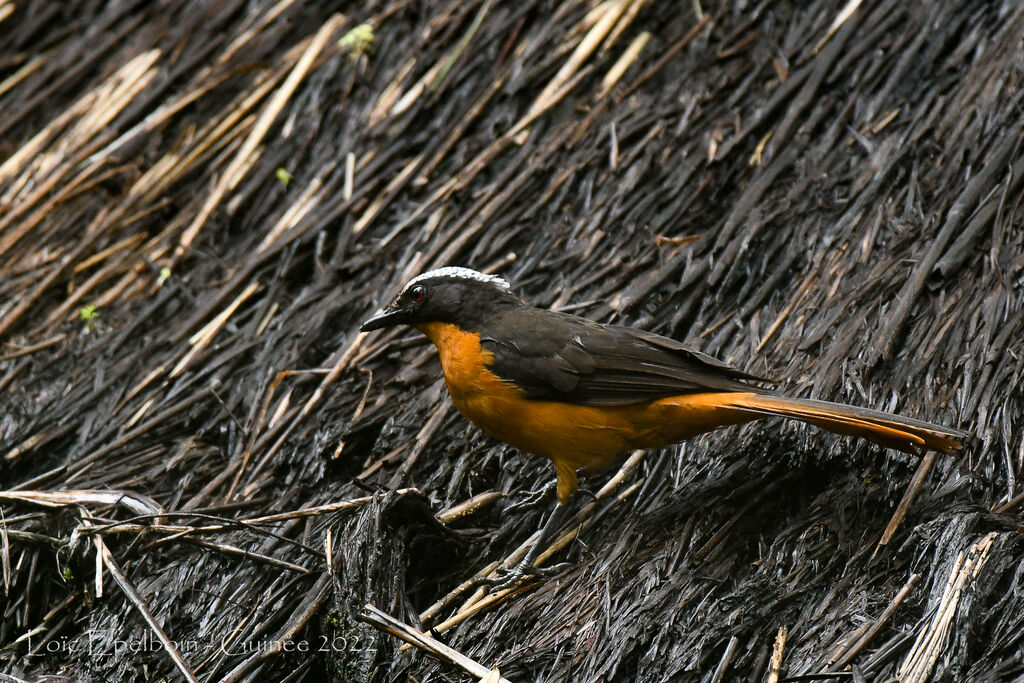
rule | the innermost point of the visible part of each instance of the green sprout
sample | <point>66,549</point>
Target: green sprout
<point>283,175</point>
<point>165,274</point>
<point>89,315</point>
<point>357,41</point>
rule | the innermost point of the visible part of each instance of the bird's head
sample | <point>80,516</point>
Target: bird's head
<point>458,296</point>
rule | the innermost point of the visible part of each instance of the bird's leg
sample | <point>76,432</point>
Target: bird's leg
<point>547,532</point>
<point>566,485</point>
<point>526,568</point>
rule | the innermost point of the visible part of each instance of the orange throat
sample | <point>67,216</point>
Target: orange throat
<point>465,363</point>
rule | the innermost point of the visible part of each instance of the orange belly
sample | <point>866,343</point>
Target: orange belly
<point>572,436</point>
<point>594,437</point>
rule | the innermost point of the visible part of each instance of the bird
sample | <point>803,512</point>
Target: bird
<point>585,394</point>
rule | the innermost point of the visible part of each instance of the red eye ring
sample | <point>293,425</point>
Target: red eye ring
<point>417,293</point>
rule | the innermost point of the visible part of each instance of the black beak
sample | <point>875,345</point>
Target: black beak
<point>385,318</point>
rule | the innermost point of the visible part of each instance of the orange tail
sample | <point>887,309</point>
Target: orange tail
<point>891,431</point>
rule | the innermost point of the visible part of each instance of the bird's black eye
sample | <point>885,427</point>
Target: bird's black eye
<point>417,293</point>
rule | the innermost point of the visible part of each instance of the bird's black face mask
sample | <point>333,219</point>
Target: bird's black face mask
<point>441,296</point>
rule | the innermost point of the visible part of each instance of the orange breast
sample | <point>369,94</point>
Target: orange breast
<point>571,435</point>
<point>577,436</point>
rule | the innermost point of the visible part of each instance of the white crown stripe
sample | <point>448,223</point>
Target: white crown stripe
<point>457,272</point>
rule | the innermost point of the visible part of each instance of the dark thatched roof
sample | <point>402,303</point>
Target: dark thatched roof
<point>199,203</point>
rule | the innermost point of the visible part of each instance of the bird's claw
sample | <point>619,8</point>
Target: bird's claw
<point>532,499</point>
<point>510,577</point>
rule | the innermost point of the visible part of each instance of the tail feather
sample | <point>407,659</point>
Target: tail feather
<point>891,431</point>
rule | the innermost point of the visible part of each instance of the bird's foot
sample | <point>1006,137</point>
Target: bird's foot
<point>532,499</point>
<point>510,577</point>
<point>507,577</point>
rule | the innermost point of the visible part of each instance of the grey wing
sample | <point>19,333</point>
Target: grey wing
<point>552,356</point>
